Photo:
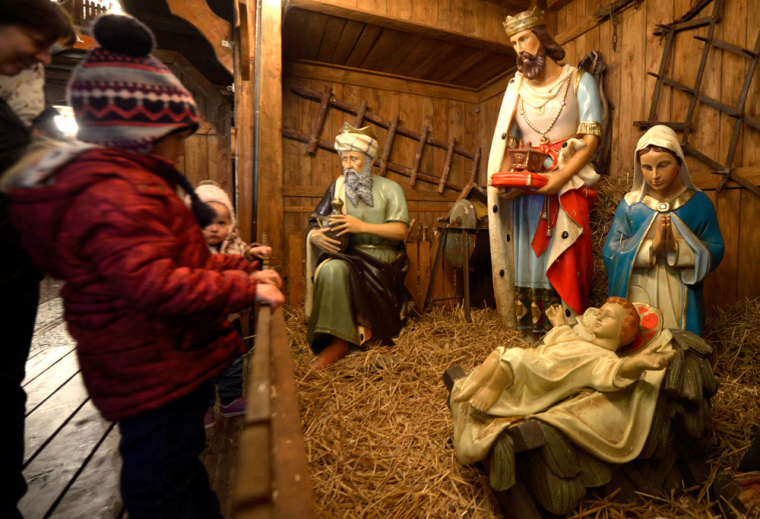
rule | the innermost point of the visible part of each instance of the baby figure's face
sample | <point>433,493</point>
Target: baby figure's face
<point>216,232</point>
<point>609,322</point>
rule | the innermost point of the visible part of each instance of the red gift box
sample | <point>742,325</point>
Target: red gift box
<point>519,179</point>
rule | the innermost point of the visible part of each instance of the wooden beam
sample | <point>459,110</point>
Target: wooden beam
<point>178,63</point>
<point>269,206</point>
<point>244,112</point>
<point>363,14</point>
<point>579,29</point>
<point>214,28</point>
<point>291,480</point>
<point>496,87</point>
<point>555,5</point>
<point>351,76</point>
<point>710,181</point>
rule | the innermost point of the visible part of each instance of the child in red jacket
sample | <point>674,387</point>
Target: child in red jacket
<point>145,300</point>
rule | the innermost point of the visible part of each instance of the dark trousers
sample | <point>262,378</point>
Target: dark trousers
<point>18,309</point>
<point>230,382</point>
<point>162,475</point>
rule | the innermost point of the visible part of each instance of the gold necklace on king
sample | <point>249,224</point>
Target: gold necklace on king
<point>562,103</point>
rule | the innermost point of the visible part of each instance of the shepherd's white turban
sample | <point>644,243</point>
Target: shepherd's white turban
<point>357,139</point>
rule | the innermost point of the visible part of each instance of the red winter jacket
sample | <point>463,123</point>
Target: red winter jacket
<point>144,298</point>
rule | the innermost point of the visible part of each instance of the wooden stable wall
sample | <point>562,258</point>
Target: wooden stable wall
<point>450,113</point>
<point>630,50</point>
<point>207,153</point>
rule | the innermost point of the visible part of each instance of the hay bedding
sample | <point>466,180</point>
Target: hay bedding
<point>378,431</point>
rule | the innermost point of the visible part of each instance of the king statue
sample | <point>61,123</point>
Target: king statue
<point>556,110</point>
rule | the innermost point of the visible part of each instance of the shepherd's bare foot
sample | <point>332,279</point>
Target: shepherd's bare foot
<point>480,377</point>
<point>336,350</point>
<point>485,398</point>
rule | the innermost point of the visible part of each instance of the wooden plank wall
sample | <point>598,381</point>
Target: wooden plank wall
<point>476,18</point>
<point>306,178</point>
<point>636,51</point>
<point>207,153</point>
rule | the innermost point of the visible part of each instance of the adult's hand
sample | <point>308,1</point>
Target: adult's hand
<point>320,239</point>
<point>269,294</point>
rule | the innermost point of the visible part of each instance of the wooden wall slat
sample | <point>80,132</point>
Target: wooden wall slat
<point>348,38</point>
<point>330,38</point>
<point>387,44</point>
<point>748,271</point>
<point>364,44</point>
<point>750,150</point>
<point>728,208</point>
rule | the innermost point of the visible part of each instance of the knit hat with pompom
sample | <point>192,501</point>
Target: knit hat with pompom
<point>122,96</point>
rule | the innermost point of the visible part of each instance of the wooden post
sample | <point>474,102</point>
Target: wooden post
<point>319,122</point>
<point>212,27</point>
<point>388,144</point>
<point>418,155</point>
<point>244,112</point>
<point>270,215</point>
<point>446,165</point>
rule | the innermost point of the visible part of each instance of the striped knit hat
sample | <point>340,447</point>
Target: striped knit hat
<point>122,96</point>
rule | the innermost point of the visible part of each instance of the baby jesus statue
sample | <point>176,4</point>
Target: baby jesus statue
<point>523,381</point>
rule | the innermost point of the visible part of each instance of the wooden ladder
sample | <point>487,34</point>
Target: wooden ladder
<point>362,115</point>
<point>687,22</point>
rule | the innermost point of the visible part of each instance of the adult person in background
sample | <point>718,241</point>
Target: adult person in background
<point>544,106</point>
<point>665,237</point>
<point>358,292</point>
<point>28,30</point>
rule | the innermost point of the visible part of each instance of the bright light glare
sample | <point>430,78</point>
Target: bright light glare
<point>115,7</point>
<point>65,121</point>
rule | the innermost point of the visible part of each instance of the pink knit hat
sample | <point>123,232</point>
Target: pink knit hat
<point>210,191</point>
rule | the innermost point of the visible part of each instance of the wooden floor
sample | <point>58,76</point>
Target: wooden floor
<point>71,460</point>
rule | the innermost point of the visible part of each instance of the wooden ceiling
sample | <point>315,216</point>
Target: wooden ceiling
<point>333,40</point>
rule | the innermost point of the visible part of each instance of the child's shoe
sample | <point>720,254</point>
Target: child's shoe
<point>234,408</point>
<point>208,419</point>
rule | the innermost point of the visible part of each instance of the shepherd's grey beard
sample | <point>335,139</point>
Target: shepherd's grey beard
<point>531,65</point>
<point>359,184</point>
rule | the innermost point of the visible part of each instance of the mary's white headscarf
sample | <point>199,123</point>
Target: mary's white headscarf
<point>664,137</point>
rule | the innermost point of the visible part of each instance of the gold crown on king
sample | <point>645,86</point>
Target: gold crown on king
<point>524,20</point>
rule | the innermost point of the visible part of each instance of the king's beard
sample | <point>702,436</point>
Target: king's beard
<point>531,65</point>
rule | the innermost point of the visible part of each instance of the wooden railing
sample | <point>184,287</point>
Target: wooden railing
<point>82,11</point>
<point>272,475</point>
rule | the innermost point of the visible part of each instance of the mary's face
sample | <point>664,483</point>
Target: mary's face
<point>661,174</point>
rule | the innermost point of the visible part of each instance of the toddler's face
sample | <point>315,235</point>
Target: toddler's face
<point>218,230</point>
